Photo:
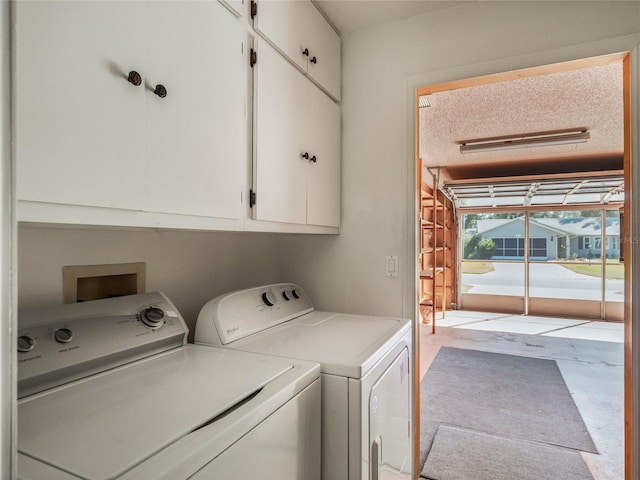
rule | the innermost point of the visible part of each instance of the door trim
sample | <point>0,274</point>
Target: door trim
<point>627,43</point>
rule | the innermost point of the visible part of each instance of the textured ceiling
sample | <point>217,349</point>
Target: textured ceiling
<point>351,15</point>
<point>587,97</point>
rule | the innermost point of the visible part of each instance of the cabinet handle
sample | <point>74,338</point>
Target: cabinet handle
<point>134,78</point>
<point>305,52</point>
<point>313,159</point>
<point>314,60</point>
<point>160,90</point>
<point>305,155</point>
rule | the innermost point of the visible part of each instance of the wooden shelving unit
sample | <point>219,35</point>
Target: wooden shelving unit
<point>437,254</point>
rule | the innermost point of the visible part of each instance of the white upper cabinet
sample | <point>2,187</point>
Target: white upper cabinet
<point>164,139</point>
<point>79,124</point>
<point>323,178</point>
<point>299,31</point>
<point>194,134</point>
<point>296,145</point>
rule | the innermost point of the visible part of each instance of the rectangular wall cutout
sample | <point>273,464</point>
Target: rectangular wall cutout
<point>82,283</point>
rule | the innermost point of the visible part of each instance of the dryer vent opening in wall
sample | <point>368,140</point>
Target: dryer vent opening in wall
<point>94,282</point>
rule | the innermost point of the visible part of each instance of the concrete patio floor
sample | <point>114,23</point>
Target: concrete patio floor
<point>533,325</point>
<point>589,355</point>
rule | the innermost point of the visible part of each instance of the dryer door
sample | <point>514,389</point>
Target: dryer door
<point>389,422</point>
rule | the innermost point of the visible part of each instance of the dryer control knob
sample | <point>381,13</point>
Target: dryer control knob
<point>286,295</point>
<point>26,343</point>
<point>269,299</point>
<point>152,317</point>
<point>295,293</point>
<point>63,335</point>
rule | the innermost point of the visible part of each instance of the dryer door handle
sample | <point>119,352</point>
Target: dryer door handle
<point>375,458</point>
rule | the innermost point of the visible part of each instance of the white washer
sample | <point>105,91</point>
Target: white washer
<point>366,383</point>
<point>110,390</point>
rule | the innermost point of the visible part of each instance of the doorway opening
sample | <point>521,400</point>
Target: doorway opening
<point>522,188</point>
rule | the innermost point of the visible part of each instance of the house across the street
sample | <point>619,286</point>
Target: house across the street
<point>551,238</point>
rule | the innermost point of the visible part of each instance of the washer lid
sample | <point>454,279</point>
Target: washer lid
<point>100,427</point>
<point>343,344</point>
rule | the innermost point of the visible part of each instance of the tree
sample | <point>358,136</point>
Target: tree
<point>589,213</point>
<point>471,247</point>
<point>470,221</point>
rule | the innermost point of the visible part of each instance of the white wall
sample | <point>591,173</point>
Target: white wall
<point>346,273</point>
<point>189,267</point>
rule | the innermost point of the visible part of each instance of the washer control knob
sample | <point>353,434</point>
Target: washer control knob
<point>63,335</point>
<point>26,343</point>
<point>286,295</point>
<point>152,317</point>
<point>295,293</point>
<point>269,299</point>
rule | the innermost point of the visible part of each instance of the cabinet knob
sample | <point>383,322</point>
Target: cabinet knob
<point>314,60</point>
<point>160,90</point>
<point>134,78</point>
<point>313,159</point>
<point>305,155</point>
<point>305,52</point>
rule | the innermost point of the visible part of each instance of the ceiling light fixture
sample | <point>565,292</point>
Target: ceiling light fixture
<point>543,139</point>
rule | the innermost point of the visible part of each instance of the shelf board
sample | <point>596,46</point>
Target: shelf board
<point>428,301</point>
<point>431,272</point>
<point>437,249</point>
<point>430,224</point>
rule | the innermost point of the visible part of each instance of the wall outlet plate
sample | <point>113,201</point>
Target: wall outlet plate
<point>391,267</point>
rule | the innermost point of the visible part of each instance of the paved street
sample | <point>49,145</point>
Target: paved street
<point>548,280</point>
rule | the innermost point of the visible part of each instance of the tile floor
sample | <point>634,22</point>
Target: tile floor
<point>589,355</point>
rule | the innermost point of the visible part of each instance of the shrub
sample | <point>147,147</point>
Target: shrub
<point>478,248</point>
<point>486,248</point>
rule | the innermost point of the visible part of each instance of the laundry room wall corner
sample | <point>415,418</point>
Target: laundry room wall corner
<point>347,270</point>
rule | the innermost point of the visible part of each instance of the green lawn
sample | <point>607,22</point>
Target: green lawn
<point>615,270</point>
<point>477,267</point>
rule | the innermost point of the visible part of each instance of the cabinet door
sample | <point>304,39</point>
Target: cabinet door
<point>323,176</point>
<point>194,134</point>
<point>301,33</point>
<point>279,115</point>
<point>282,22</point>
<point>79,128</point>
<point>324,51</point>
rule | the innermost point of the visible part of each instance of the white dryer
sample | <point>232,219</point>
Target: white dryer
<point>109,389</point>
<point>364,360</point>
